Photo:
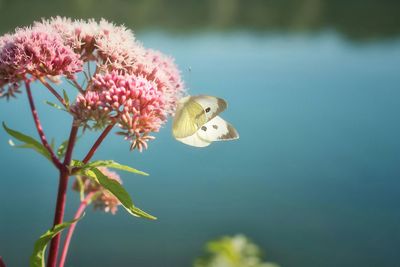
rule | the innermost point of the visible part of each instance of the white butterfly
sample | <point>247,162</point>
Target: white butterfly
<point>196,122</point>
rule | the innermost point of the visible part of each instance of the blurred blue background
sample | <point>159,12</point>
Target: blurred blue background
<point>314,90</point>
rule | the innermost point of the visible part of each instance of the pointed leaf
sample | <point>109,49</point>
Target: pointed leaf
<point>54,105</point>
<point>28,142</point>
<point>77,163</point>
<point>119,192</point>
<point>66,98</point>
<point>112,164</point>
<point>62,148</point>
<point>37,257</point>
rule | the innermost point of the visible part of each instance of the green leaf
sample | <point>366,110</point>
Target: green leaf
<point>66,98</point>
<point>28,142</point>
<point>37,257</point>
<point>115,188</point>
<point>62,148</point>
<point>76,163</point>
<point>111,164</point>
<point>54,105</point>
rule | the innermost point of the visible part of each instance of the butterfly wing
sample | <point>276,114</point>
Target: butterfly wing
<point>189,117</point>
<point>194,140</point>
<point>196,122</point>
<point>212,105</point>
<point>217,129</point>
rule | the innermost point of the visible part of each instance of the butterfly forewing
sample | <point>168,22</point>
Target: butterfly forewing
<point>189,117</point>
<point>212,105</point>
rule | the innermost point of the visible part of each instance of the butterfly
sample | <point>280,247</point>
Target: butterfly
<point>196,121</point>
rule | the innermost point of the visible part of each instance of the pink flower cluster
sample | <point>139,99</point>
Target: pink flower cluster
<point>162,69</point>
<point>131,101</point>
<point>36,53</point>
<point>102,199</point>
<point>112,47</point>
<point>133,87</point>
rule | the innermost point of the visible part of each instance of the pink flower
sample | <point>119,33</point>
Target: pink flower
<point>78,34</point>
<point>37,53</point>
<point>131,101</point>
<point>117,47</point>
<point>162,69</point>
<point>132,87</point>
<point>102,199</point>
<point>111,47</point>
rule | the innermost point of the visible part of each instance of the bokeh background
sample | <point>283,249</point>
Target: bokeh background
<point>314,90</point>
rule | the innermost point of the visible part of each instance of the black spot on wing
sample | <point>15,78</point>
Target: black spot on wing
<point>208,109</point>
<point>204,128</point>
<point>215,127</point>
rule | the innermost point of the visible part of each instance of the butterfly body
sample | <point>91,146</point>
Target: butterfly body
<point>196,122</point>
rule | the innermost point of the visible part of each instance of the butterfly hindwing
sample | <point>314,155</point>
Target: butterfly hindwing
<point>194,140</point>
<point>217,129</point>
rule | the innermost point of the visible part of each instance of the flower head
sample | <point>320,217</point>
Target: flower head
<point>102,199</point>
<point>36,53</point>
<point>162,69</point>
<point>131,101</point>
<point>112,47</point>
<point>117,48</point>
<point>132,87</point>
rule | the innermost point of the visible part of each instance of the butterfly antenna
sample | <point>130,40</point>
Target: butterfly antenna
<point>189,84</point>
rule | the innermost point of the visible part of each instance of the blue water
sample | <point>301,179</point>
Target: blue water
<point>314,179</point>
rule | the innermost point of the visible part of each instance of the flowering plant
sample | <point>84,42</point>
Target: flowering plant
<point>119,84</point>
<point>232,251</point>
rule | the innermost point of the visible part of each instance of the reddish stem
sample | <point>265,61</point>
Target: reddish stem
<point>53,91</point>
<point>2,264</point>
<point>39,128</point>
<point>71,229</point>
<point>91,76</point>
<point>62,196</point>
<point>97,143</point>
<point>80,89</point>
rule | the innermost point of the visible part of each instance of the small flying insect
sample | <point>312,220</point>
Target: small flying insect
<point>196,122</point>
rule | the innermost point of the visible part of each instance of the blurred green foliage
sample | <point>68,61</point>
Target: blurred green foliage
<point>235,251</point>
<point>367,19</point>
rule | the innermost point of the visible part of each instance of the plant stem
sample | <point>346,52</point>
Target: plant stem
<point>71,229</point>
<point>53,91</point>
<point>86,201</point>
<point>97,143</point>
<point>39,127</point>
<point>2,264</point>
<point>80,89</point>
<point>91,76</point>
<point>62,196</point>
